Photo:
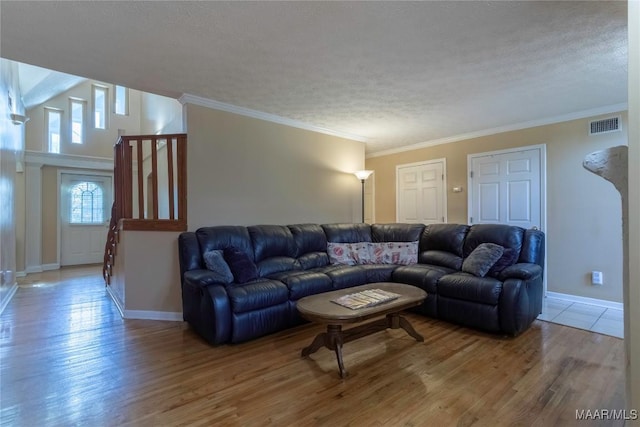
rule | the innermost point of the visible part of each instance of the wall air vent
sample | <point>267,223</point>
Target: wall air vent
<point>612,124</point>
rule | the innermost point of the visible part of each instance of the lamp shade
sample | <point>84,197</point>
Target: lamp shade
<point>363,174</point>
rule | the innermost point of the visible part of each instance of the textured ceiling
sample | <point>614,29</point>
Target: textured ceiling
<point>394,73</point>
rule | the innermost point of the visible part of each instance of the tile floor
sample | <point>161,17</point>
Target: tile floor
<point>607,321</point>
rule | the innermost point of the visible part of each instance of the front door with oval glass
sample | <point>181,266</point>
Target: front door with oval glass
<point>84,218</point>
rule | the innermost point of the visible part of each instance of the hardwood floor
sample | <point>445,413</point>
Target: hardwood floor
<point>67,358</point>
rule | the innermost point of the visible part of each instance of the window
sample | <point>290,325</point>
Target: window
<point>121,100</point>
<point>87,203</point>
<point>100,108</point>
<point>53,122</point>
<point>77,108</point>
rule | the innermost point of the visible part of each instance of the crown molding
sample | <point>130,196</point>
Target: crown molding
<point>67,160</point>
<point>230,108</point>
<point>492,131</point>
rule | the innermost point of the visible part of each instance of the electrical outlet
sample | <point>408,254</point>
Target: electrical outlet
<point>596,278</point>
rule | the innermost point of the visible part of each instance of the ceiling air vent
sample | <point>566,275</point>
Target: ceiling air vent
<point>612,124</point>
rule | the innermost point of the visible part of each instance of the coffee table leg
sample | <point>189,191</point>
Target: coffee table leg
<point>395,321</point>
<point>319,341</point>
<point>334,333</point>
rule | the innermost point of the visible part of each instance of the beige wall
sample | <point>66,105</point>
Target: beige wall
<point>146,274</point>
<point>632,293</point>
<point>99,142</point>
<point>583,211</point>
<point>159,114</point>
<point>248,171</point>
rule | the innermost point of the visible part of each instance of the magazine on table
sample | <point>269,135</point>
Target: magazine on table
<point>367,298</point>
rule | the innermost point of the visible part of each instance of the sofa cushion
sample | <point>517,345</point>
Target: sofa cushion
<point>444,237</point>
<point>308,238</point>
<point>482,258</point>
<point>345,276</point>
<point>313,260</point>
<point>379,272</point>
<point>223,237</point>
<point>441,258</point>
<point>256,295</point>
<point>241,266</point>
<point>468,287</point>
<point>349,253</point>
<point>400,253</point>
<point>396,232</point>
<point>423,276</point>
<point>347,233</point>
<point>307,283</point>
<point>271,241</point>
<point>276,264</point>
<point>214,260</point>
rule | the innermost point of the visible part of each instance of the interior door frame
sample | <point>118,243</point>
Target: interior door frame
<point>85,172</point>
<point>442,160</point>
<point>543,191</point>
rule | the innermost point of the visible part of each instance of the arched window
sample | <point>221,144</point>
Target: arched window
<point>87,204</point>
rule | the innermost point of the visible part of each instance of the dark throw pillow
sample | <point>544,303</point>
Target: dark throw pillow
<point>482,258</point>
<point>214,260</point>
<point>241,266</point>
<point>508,258</point>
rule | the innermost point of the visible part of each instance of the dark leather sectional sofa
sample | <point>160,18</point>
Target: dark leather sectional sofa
<point>292,262</point>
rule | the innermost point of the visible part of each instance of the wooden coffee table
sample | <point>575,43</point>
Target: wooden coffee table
<point>319,309</point>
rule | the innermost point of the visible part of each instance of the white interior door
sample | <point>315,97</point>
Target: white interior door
<point>85,202</point>
<point>421,195</point>
<point>506,187</point>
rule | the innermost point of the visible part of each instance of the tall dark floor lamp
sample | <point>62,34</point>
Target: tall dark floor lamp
<point>362,176</point>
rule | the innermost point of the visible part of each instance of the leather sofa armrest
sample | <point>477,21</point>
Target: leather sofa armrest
<point>206,306</point>
<point>200,278</point>
<point>522,271</point>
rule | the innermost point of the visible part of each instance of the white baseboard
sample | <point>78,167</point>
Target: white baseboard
<point>153,315</point>
<point>585,300</point>
<point>41,268</point>
<point>21,274</point>
<point>116,301</point>
<point>33,269</point>
<point>12,292</point>
<point>143,314</point>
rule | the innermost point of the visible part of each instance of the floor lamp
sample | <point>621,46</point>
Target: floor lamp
<point>362,176</point>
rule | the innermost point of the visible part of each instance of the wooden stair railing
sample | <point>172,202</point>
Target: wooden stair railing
<point>159,183</point>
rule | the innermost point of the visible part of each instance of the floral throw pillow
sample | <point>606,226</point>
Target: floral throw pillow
<point>403,253</point>
<point>349,253</point>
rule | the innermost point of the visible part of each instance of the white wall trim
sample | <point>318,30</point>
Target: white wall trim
<point>21,274</point>
<point>53,266</point>
<point>153,315</point>
<point>116,301</point>
<point>68,160</point>
<point>230,108</point>
<point>586,300</point>
<point>12,292</point>
<point>508,128</point>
